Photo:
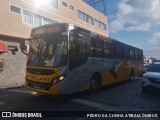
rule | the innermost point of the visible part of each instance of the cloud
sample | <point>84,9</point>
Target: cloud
<point>136,15</point>
<point>155,40</point>
<point>116,26</point>
<point>153,47</point>
<point>141,27</point>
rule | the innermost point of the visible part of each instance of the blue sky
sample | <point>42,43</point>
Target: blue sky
<point>137,23</point>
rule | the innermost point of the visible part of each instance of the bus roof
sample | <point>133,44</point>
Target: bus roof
<point>90,32</point>
<point>118,42</point>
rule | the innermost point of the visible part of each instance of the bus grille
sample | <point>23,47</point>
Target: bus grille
<point>154,80</point>
<point>36,85</point>
<point>40,71</point>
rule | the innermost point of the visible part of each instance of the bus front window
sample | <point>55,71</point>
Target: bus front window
<point>50,51</point>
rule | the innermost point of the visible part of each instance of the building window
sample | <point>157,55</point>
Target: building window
<point>71,7</point>
<point>54,3</point>
<point>51,3</point>
<point>28,17</point>
<point>48,21</point>
<point>85,17</point>
<point>15,9</point>
<point>81,15</point>
<point>45,21</point>
<point>64,3</point>
<point>102,25</point>
<point>37,20</point>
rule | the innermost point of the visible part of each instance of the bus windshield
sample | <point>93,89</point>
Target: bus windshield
<point>48,51</point>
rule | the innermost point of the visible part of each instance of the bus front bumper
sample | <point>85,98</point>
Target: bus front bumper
<point>42,87</point>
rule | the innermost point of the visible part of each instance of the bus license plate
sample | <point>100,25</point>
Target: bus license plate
<point>36,86</point>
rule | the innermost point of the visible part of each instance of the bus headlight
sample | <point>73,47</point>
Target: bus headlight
<point>62,77</point>
<point>59,79</point>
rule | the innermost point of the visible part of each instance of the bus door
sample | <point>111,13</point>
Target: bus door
<point>78,56</point>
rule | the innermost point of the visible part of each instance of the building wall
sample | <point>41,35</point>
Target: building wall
<point>14,66</point>
<point>12,23</point>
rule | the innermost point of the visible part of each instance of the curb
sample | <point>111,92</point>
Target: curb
<point>11,87</point>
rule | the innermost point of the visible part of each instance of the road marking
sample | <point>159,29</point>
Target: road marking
<point>1,103</point>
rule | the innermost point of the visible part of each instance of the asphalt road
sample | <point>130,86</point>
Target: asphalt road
<point>126,96</point>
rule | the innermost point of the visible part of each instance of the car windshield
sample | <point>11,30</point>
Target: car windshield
<point>49,51</point>
<point>154,68</point>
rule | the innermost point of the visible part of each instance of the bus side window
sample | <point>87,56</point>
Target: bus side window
<point>136,54</point>
<point>94,47</point>
<point>82,55</point>
<point>131,54</point>
<point>111,50</point>
<point>106,49</point>
<point>126,52</point>
<point>140,55</point>
<point>118,51</point>
<point>100,50</point>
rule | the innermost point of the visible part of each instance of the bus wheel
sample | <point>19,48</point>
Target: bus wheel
<point>95,83</point>
<point>132,77</point>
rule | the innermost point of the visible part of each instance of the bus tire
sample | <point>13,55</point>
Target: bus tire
<point>132,76</point>
<point>95,83</point>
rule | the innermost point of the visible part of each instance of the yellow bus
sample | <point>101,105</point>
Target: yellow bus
<point>64,59</point>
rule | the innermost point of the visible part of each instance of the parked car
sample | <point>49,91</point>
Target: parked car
<point>151,79</point>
